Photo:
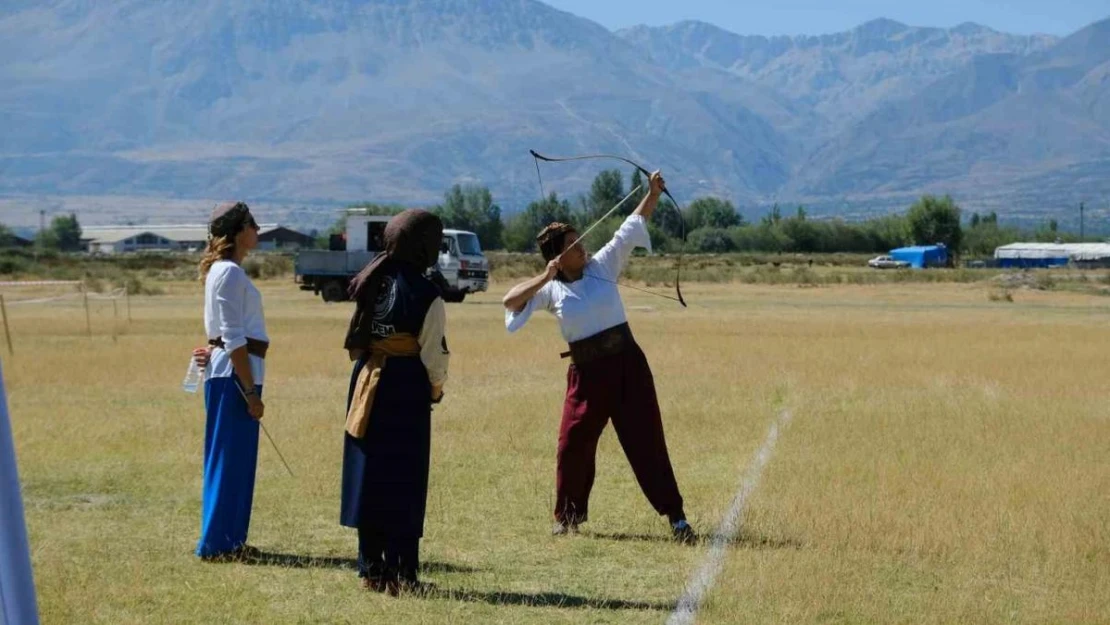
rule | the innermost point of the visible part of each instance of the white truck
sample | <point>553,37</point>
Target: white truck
<point>461,269</point>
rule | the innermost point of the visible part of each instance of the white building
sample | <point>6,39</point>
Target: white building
<point>184,238</point>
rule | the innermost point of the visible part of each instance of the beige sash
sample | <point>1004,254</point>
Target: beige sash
<point>362,401</point>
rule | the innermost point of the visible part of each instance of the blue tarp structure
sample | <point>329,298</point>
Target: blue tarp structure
<point>921,256</point>
<point>1032,263</point>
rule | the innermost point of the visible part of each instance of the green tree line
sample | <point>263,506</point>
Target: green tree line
<point>714,225</point>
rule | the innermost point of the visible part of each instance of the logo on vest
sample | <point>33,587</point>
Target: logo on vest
<point>383,308</point>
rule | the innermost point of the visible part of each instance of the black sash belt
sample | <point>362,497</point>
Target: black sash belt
<point>605,343</point>
<point>255,347</point>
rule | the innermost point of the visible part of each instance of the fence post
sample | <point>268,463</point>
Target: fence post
<point>88,319</point>
<point>7,332</point>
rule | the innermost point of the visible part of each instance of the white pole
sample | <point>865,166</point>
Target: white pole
<point>17,584</point>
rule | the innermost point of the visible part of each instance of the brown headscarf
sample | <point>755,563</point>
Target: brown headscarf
<point>412,237</point>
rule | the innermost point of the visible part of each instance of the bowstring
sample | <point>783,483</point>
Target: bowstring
<point>629,286</point>
<point>539,176</point>
<point>536,157</point>
<point>543,198</point>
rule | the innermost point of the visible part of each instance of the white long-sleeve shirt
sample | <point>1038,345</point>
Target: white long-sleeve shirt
<point>433,346</point>
<point>232,311</point>
<point>589,305</point>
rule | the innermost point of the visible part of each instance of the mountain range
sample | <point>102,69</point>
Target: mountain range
<point>150,109</point>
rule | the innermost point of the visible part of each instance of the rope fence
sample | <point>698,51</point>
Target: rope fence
<point>83,294</point>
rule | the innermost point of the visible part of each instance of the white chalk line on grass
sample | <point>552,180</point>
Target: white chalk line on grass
<point>703,578</point>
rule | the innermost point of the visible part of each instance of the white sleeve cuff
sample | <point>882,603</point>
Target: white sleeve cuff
<point>516,320</point>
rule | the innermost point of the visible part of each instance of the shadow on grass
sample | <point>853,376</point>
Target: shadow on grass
<point>292,561</point>
<point>546,600</point>
<point>433,591</point>
<point>743,541</point>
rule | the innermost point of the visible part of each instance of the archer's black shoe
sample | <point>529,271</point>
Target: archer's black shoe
<point>683,533</point>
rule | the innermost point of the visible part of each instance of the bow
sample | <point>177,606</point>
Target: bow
<point>537,157</point>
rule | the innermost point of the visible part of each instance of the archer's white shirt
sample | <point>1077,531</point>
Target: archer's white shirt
<point>591,304</point>
<point>232,310</point>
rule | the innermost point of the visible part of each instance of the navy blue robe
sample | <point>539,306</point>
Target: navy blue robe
<point>385,473</point>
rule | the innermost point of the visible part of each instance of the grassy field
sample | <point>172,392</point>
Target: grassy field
<point>946,463</point>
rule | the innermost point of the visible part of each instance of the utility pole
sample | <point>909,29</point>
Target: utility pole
<point>1081,238</point>
<point>42,228</point>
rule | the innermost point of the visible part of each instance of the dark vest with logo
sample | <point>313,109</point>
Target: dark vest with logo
<point>402,303</point>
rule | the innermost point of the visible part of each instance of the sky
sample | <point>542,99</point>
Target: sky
<point>816,17</point>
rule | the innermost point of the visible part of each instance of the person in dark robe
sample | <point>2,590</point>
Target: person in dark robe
<point>397,341</point>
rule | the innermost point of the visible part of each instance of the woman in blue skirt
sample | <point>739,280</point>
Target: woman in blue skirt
<point>396,340</point>
<point>235,367</point>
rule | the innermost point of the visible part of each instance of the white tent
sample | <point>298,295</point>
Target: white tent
<point>1071,251</point>
<point>17,585</point>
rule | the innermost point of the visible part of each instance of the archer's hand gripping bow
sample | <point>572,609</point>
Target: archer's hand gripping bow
<point>678,265</point>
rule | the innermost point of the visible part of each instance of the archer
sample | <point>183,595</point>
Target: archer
<point>609,376</point>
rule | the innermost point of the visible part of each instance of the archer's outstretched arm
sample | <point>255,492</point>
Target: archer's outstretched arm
<point>518,296</point>
<point>651,200</point>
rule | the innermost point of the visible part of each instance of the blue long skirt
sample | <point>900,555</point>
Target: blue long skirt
<point>230,460</point>
<point>385,473</point>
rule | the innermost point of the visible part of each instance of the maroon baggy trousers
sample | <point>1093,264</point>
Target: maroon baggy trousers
<point>618,387</point>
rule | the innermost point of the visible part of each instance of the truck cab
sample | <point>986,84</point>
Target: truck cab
<point>462,264</point>
<point>460,269</point>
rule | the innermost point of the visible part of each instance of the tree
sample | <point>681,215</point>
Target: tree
<point>772,217</point>
<point>606,190</point>
<point>46,240</point>
<point>887,233</point>
<point>982,239</point>
<point>711,240</point>
<point>7,237</point>
<point>472,208</point>
<point>805,236</point>
<point>711,212</point>
<point>936,220</point>
<point>521,230</point>
<point>637,181</point>
<point>63,233</point>
<point>671,221</point>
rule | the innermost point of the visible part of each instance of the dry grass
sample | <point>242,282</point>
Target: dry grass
<point>946,463</point>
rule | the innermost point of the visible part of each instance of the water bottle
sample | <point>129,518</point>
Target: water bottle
<point>193,377</point>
